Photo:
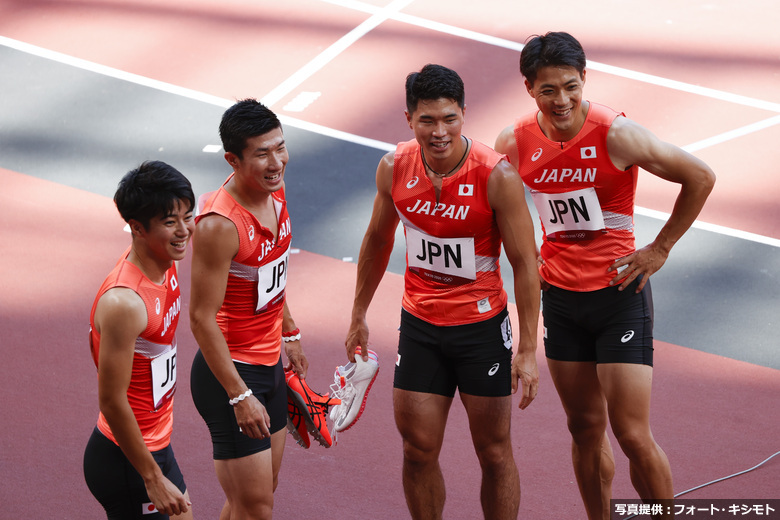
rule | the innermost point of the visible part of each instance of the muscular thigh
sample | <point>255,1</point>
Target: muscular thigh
<point>489,418</point>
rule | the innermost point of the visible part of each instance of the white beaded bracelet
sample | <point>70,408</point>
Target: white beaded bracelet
<point>240,398</point>
<point>288,339</point>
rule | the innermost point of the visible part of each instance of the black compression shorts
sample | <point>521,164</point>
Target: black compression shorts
<point>211,400</point>
<point>603,326</point>
<point>475,358</point>
<point>118,486</point>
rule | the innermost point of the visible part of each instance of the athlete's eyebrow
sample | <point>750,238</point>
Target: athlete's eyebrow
<point>445,116</point>
<point>551,85</point>
<point>267,148</point>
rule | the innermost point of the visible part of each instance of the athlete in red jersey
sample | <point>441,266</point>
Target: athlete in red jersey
<point>453,245</point>
<point>458,201</point>
<point>585,203</point>
<point>128,464</point>
<point>251,314</point>
<point>238,312</point>
<point>153,381</point>
<point>580,162</point>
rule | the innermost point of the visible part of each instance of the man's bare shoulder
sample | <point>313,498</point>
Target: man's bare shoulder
<point>215,236</point>
<point>121,307</point>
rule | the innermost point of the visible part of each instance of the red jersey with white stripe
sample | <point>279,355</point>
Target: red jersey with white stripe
<point>585,204</point>
<point>153,379</point>
<point>251,314</point>
<point>453,245</point>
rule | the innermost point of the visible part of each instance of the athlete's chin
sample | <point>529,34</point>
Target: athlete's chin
<point>177,253</point>
<point>275,185</point>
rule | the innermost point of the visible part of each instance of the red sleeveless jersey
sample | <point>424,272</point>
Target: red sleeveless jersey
<point>153,379</point>
<point>585,204</point>
<point>453,245</point>
<point>251,314</point>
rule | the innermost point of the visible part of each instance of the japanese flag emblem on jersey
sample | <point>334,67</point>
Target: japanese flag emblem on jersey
<point>466,190</point>
<point>588,152</point>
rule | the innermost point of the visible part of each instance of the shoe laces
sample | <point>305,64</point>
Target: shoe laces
<point>342,387</point>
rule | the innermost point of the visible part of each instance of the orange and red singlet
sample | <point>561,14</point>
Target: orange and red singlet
<point>452,245</point>
<point>586,204</point>
<point>251,313</point>
<point>153,380</point>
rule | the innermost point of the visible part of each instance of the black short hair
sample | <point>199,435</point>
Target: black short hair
<point>151,190</point>
<point>246,119</point>
<point>554,49</point>
<point>434,82</point>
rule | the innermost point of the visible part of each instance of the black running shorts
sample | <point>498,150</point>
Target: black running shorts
<point>211,400</point>
<point>117,485</point>
<point>475,358</point>
<point>603,326</point>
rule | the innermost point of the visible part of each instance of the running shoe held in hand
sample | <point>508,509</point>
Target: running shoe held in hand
<point>351,385</point>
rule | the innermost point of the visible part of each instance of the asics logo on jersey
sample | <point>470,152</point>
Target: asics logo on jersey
<point>493,369</point>
<point>627,336</point>
<point>251,232</point>
<point>412,183</point>
<point>536,155</point>
<point>157,305</point>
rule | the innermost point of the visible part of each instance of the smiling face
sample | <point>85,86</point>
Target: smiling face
<point>261,167</point>
<point>437,126</point>
<point>166,237</point>
<point>558,94</point>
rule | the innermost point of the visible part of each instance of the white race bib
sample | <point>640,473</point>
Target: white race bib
<point>451,256</point>
<point>573,215</point>
<point>163,376</point>
<point>271,280</point>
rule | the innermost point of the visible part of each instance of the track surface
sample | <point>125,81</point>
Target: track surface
<point>92,88</point>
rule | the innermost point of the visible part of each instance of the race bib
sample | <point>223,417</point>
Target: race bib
<point>449,256</point>
<point>573,215</point>
<point>271,280</point>
<point>163,376</point>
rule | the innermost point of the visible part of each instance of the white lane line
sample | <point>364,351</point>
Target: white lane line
<point>328,132</point>
<point>732,134</point>
<point>114,73</point>
<point>601,67</point>
<point>336,134</point>
<point>181,91</point>
<point>685,87</point>
<point>721,230</point>
<point>332,52</point>
<point>301,102</point>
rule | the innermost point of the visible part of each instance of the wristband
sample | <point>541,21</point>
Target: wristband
<point>293,335</point>
<point>240,398</point>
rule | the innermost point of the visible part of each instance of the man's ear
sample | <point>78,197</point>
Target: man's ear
<point>136,228</point>
<point>232,159</point>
